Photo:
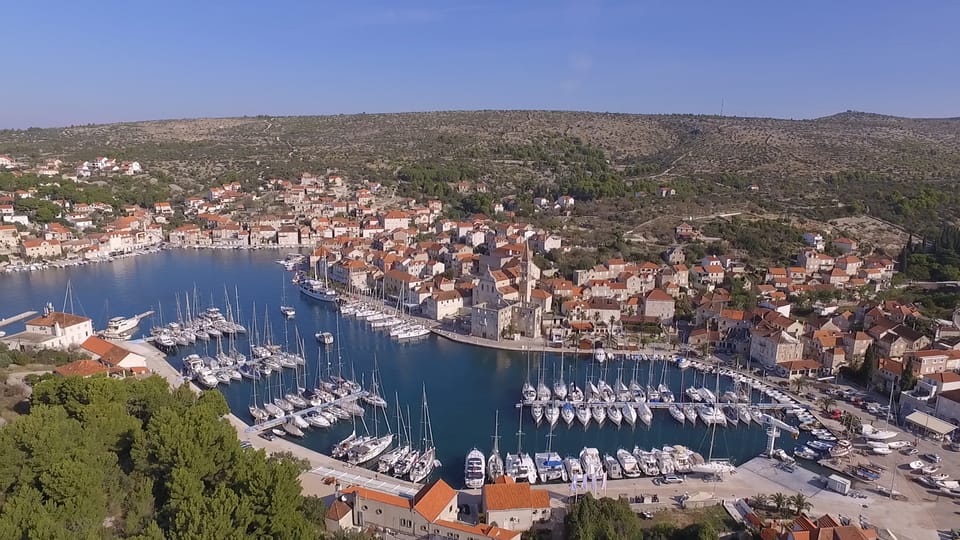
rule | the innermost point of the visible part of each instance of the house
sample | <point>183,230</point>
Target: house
<point>814,240</point>
<point>41,249</point>
<point>400,283</point>
<point>9,235</point>
<point>667,191</point>
<point>489,320</point>
<point>163,208</point>
<point>443,304</point>
<point>514,506</point>
<point>684,231</point>
<point>432,512</point>
<point>771,345</point>
<point>844,245</point>
<point>565,202</point>
<point>659,304</point>
<point>54,330</point>
<point>114,357</point>
<point>825,527</point>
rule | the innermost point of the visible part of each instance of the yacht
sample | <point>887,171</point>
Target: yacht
<point>121,328</point>
<point>551,413</point>
<point>707,395</point>
<point>612,467</point>
<point>574,469</point>
<point>292,429</point>
<point>473,469</point>
<point>592,466</point>
<point>628,464</point>
<point>543,391</point>
<point>529,393</point>
<point>665,461</point>
<point>716,467</point>
<point>569,414</point>
<point>693,393</point>
<point>495,467</point>
<point>677,413</point>
<point>537,411</point>
<point>388,460</point>
<point>360,454</point>
<point>423,466</point>
<point>629,414</point>
<point>743,412</point>
<point>405,463</point>
<point>317,290</point>
<point>689,412</point>
<point>549,467</point>
<point>325,338</point>
<point>521,468</point>
<point>288,311</point>
<point>646,461</point>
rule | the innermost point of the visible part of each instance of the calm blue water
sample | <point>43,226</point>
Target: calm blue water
<point>465,385</point>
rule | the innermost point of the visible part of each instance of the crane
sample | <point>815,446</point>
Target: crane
<point>774,426</point>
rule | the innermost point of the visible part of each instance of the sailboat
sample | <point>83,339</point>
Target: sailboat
<point>559,386</point>
<point>313,288</point>
<point>549,465</point>
<point>256,412</point>
<point>373,397</point>
<point>288,311</point>
<point>387,461</point>
<point>711,466</point>
<point>552,413</point>
<point>494,461</point>
<point>428,458</point>
<point>519,466</point>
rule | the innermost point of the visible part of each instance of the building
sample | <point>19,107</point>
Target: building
<point>513,505</point>
<point>658,304</point>
<point>770,346</point>
<point>41,249</point>
<point>54,330</point>
<point>823,528</point>
<point>490,320</point>
<point>432,512</point>
<point>114,357</point>
<point>443,304</point>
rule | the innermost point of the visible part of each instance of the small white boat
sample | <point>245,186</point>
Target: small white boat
<point>677,413</point>
<point>931,469</point>
<point>881,451</point>
<point>916,465</point>
<point>896,445</point>
<point>325,338</point>
<point>877,444</point>
<point>288,311</point>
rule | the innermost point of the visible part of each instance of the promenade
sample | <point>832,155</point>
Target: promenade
<point>325,474</point>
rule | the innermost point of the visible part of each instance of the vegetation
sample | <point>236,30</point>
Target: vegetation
<point>781,505</point>
<point>606,518</point>
<point>107,458</point>
<point>47,357</point>
<point>761,239</point>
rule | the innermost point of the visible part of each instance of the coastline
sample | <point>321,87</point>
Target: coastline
<point>532,345</point>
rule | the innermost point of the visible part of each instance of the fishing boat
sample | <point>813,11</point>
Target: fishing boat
<point>494,461</point>
<point>628,464</point>
<point>473,469</point>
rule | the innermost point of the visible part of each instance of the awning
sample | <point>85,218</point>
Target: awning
<point>931,423</point>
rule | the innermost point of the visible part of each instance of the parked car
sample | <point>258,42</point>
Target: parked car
<point>672,479</point>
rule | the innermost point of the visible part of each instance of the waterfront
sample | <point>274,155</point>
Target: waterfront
<point>465,385</point>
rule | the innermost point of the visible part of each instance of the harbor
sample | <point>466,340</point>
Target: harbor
<point>466,385</point>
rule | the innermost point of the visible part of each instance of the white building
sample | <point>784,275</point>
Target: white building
<point>54,330</point>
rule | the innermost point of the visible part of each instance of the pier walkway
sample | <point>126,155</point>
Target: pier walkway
<point>655,404</point>
<point>362,477</point>
<point>274,422</point>
<point>15,318</point>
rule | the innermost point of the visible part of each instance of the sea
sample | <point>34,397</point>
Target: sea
<point>466,386</point>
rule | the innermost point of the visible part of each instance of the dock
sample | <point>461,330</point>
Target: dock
<point>275,422</point>
<point>653,404</point>
<point>17,318</point>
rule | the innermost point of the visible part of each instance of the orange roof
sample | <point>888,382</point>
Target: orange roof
<point>80,368</point>
<point>657,295</point>
<point>433,498</point>
<point>511,496</point>
<point>338,510</point>
<point>733,314</point>
<point>56,317</point>
<point>488,531</point>
<point>379,496</point>
<point>97,346</point>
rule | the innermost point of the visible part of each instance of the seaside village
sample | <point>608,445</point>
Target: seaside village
<point>477,278</point>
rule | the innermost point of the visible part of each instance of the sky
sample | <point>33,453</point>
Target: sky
<point>68,62</point>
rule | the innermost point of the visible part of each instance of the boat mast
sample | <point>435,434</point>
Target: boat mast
<point>520,433</point>
<point>496,433</point>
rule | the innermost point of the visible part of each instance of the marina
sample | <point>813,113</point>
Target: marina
<point>480,382</point>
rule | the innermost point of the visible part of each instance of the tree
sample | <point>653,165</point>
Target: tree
<point>826,403</point>
<point>798,384</point>
<point>800,503</point>
<point>760,500</point>
<point>779,501</point>
<point>869,364</point>
<point>909,379</point>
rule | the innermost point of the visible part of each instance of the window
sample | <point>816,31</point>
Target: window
<point>406,523</point>
<point>379,511</point>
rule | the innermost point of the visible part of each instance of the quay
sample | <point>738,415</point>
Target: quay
<point>274,422</point>
<point>15,318</point>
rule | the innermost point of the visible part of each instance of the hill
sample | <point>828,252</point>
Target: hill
<point>898,169</point>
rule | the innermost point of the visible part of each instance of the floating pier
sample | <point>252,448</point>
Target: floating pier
<point>275,422</point>
<point>16,318</point>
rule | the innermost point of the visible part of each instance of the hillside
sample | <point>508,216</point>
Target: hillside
<point>893,168</point>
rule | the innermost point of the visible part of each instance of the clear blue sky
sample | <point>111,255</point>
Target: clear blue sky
<point>69,62</point>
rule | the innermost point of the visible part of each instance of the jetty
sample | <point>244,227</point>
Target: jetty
<point>652,404</point>
<point>275,422</point>
<point>16,318</point>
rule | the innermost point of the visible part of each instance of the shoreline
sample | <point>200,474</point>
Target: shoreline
<point>532,346</point>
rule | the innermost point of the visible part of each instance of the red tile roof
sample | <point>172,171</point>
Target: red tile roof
<point>81,368</point>
<point>430,501</point>
<point>56,317</point>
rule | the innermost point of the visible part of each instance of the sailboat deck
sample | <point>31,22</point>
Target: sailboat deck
<point>275,422</point>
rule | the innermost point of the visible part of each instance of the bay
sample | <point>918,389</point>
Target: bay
<point>465,385</point>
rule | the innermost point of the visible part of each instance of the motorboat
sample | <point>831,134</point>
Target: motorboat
<point>743,412</point>
<point>628,464</point>
<point>317,421</point>
<point>916,465</point>
<point>647,461</point>
<point>592,466</point>
<point>326,338</point>
<point>288,311</point>
<point>756,414</point>
<point>871,433</point>
<point>881,451</point>
<point>931,469</point>
<point>896,445</point>
<point>877,444</point>
<point>820,446</point>
<point>574,469</point>
<point>612,467</point>
<point>841,448</point>
<point>804,452</point>
<point>473,469</point>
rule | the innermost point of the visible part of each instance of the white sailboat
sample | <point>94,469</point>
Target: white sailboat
<point>520,466</point>
<point>494,461</point>
<point>288,311</point>
<point>425,465</point>
<point>559,386</point>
